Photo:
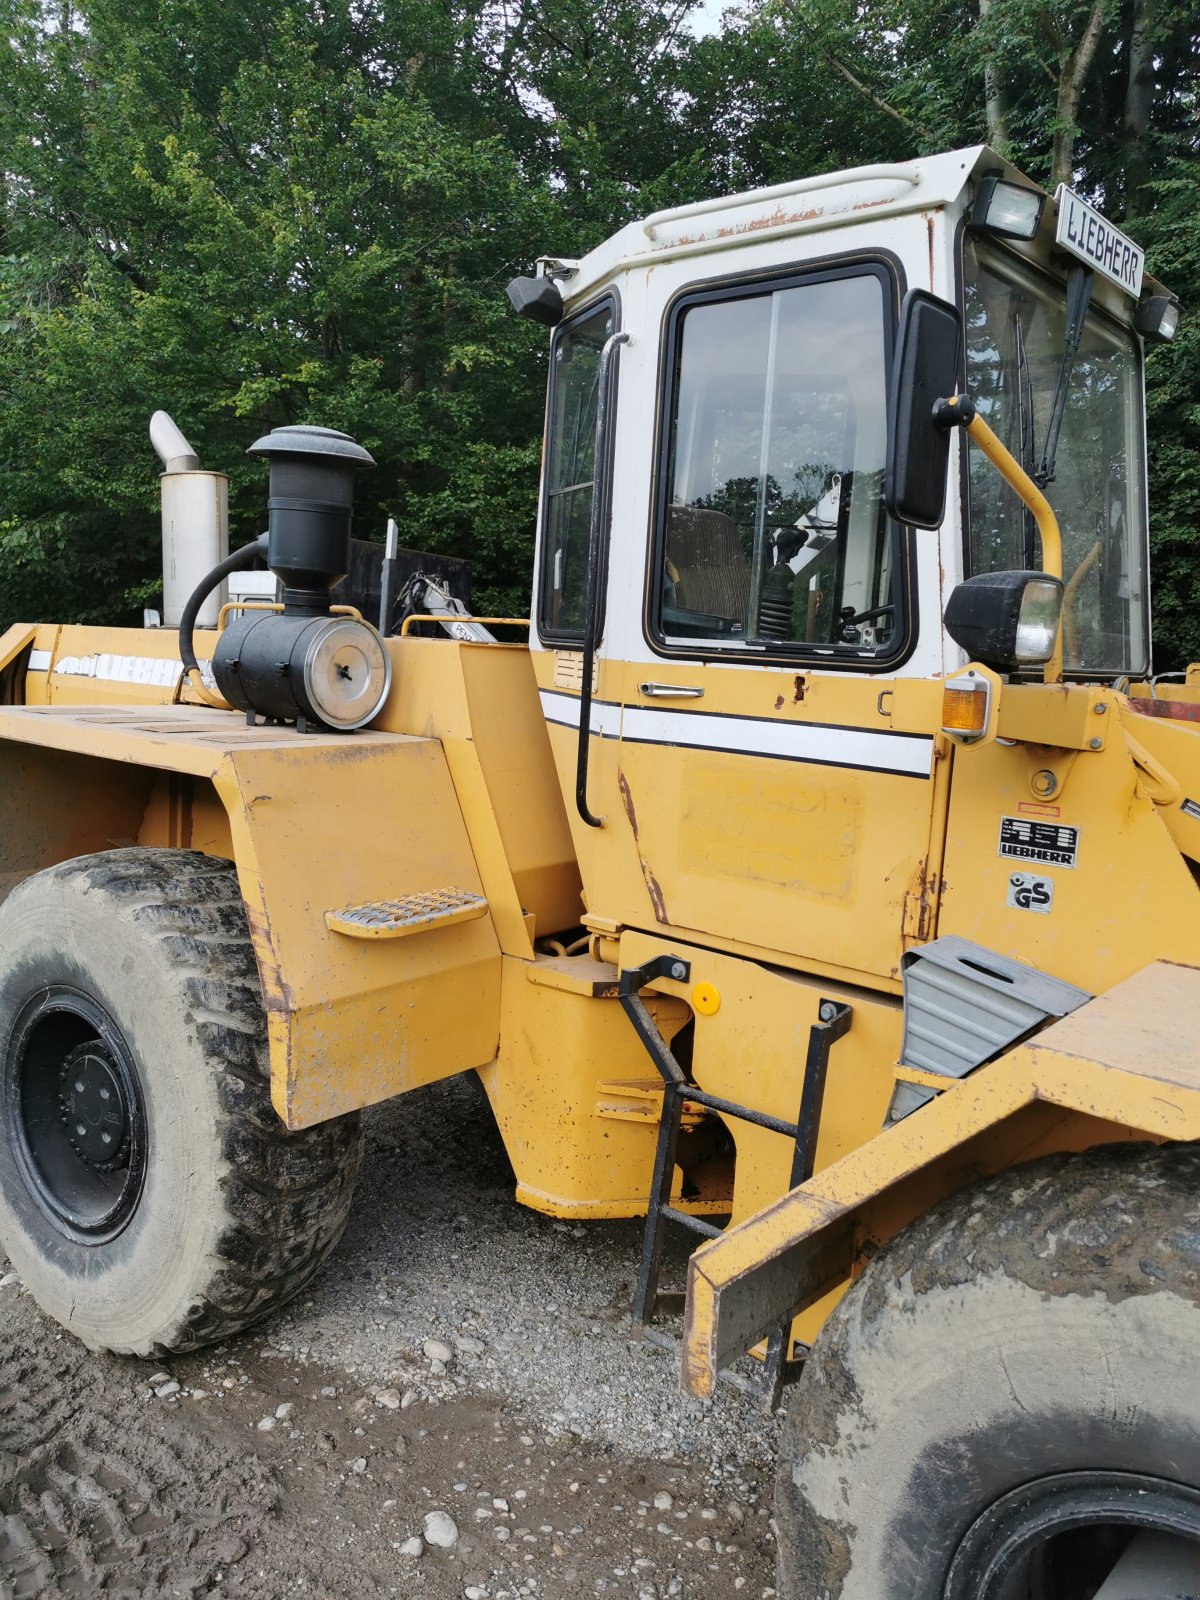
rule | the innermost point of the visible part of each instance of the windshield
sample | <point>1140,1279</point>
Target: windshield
<point>1015,322</point>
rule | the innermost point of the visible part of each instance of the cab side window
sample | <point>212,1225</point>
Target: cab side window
<point>772,533</point>
<point>570,470</point>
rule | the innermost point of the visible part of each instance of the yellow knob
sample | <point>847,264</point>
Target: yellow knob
<point>706,999</point>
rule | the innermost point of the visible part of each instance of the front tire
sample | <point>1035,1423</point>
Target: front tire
<point>1006,1393</point>
<point>150,1197</point>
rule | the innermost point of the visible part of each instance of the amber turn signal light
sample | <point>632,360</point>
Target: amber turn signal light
<point>966,704</point>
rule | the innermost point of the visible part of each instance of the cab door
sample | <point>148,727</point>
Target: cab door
<point>774,767</point>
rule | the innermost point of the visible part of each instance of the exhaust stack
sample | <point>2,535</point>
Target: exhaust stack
<point>195,523</point>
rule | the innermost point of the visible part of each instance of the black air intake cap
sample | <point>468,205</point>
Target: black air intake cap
<point>309,510</point>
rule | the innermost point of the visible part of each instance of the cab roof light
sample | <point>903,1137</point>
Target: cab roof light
<point>1006,210</point>
<point>1157,318</point>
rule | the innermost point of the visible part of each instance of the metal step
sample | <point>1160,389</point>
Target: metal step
<point>412,913</point>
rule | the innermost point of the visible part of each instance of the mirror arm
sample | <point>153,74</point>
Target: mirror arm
<point>960,412</point>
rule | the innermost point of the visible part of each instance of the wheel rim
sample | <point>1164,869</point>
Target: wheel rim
<point>1060,1538</point>
<point>75,1116</point>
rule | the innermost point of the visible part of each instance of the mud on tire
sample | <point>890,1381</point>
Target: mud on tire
<point>229,1215</point>
<point>1039,1326</point>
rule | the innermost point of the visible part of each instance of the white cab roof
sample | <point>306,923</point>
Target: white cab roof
<point>805,205</point>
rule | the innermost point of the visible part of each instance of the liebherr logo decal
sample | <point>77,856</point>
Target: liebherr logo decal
<point>1050,844</point>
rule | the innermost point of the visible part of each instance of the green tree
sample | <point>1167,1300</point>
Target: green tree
<point>253,215</point>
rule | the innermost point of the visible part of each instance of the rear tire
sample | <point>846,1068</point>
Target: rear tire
<point>1021,1356</point>
<point>150,1197</point>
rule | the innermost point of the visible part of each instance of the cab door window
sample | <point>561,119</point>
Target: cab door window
<point>772,534</point>
<point>570,470</point>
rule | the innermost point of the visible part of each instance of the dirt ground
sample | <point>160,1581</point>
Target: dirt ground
<point>457,1355</point>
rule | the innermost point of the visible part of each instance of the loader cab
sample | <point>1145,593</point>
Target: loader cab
<point>758,678</point>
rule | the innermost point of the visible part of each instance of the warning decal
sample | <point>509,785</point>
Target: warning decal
<point>1051,844</point>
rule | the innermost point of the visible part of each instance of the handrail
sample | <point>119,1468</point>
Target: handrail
<point>449,616</point>
<point>277,606</point>
<point>881,172</point>
<point>591,600</point>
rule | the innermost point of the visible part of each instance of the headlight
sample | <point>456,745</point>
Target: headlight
<point>1006,619</point>
<point>1037,620</point>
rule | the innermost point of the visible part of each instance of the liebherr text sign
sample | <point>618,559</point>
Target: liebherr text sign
<point>1086,234</point>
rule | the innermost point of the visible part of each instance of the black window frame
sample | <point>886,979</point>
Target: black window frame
<point>888,269</point>
<point>572,638</point>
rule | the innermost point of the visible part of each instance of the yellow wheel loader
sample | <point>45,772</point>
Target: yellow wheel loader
<point>818,880</point>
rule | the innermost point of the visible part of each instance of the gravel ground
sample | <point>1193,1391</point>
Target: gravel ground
<point>461,1370</point>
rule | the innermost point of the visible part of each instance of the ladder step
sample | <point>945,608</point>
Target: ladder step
<point>685,1219</point>
<point>412,913</point>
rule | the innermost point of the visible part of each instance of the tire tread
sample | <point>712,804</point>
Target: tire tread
<point>286,1195</point>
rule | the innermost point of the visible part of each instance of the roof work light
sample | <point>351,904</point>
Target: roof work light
<point>1007,210</point>
<point>1157,318</point>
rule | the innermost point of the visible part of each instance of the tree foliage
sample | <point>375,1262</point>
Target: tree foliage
<point>306,210</point>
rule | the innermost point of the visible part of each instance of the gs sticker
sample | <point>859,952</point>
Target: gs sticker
<point>1027,892</point>
<point>1048,844</point>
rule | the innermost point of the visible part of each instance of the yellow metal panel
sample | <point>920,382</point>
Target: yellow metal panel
<point>510,739</point>
<point>107,666</point>
<point>481,702</point>
<point>1132,1058</point>
<point>323,823</point>
<point>189,739</point>
<point>816,864</point>
<point>1069,716</point>
<point>13,640</point>
<point>57,804</point>
<point>804,859</point>
<point>1174,747</point>
<point>185,813</point>
<point>1129,899</point>
<point>565,1043</point>
<point>316,821</point>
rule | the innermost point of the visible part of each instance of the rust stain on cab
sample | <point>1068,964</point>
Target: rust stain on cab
<point>653,887</point>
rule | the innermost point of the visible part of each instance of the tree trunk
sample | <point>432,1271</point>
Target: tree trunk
<point>995,104</point>
<point>1070,88</point>
<point>1138,95</point>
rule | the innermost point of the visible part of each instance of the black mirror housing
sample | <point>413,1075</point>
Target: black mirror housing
<point>924,371</point>
<point>539,299</point>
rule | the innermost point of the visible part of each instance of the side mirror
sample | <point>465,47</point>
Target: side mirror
<point>925,370</point>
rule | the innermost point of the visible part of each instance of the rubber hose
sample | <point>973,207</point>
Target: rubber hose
<point>187,619</point>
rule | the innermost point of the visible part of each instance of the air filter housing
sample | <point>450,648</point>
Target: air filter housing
<point>306,665</point>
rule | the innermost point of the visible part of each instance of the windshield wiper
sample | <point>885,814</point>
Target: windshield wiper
<point>1079,296</point>
<point>1025,435</point>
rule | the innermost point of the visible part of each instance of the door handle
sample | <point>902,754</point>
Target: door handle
<point>671,691</point>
